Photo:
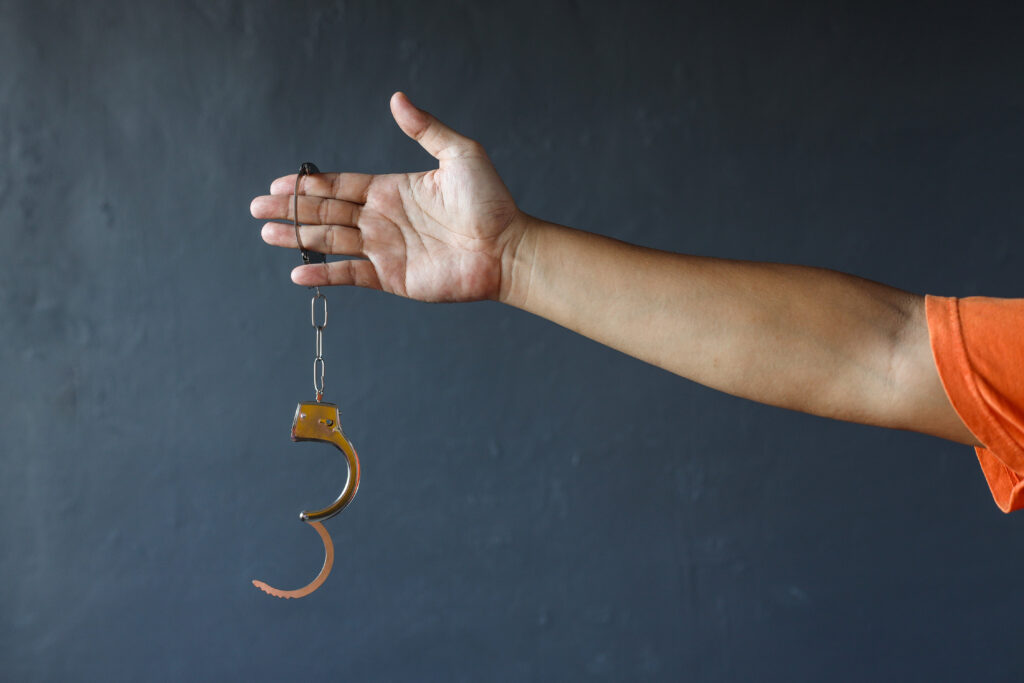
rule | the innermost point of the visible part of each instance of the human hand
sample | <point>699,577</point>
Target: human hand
<point>448,234</point>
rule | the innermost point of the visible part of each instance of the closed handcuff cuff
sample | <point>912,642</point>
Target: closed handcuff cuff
<point>317,420</point>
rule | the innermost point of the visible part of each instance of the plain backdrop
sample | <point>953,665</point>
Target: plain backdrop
<point>534,507</point>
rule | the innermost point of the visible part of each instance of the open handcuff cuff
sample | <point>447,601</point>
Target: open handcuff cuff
<point>317,420</point>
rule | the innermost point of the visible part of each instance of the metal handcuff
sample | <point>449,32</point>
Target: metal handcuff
<point>317,420</point>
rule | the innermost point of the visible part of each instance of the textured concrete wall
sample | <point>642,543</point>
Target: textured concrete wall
<point>534,506</point>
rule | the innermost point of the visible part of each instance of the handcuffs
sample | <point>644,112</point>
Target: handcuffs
<point>318,421</point>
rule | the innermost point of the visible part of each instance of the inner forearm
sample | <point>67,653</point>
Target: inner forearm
<point>802,338</point>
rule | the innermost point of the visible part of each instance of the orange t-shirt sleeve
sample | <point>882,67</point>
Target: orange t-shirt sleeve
<point>978,345</point>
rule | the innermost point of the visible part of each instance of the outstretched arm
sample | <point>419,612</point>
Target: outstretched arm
<point>803,338</point>
<point>808,339</point>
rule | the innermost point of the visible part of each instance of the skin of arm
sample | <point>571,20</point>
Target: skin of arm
<point>802,338</point>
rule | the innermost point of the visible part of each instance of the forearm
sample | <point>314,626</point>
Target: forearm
<point>802,338</point>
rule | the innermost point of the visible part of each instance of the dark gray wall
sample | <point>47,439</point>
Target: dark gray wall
<point>534,506</point>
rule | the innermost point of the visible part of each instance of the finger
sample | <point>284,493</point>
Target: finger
<point>440,141</point>
<point>356,272</point>
<point>326,239</point>
<point>351,187</point>
<point>312,210</point>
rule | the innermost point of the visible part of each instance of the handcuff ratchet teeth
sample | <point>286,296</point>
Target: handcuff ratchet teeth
<point>318,421</point>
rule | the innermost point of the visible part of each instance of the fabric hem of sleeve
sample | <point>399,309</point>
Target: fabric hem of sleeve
<point>1006,486</point>
<point>957,376</point>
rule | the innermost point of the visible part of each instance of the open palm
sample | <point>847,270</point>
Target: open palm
<point>439,235</point>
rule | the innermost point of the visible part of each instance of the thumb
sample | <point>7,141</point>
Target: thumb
<point>440,141</point>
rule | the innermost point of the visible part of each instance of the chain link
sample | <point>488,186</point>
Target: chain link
<point>319,367</point>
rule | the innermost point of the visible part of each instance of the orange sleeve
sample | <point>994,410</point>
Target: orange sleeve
<point>978,345</point>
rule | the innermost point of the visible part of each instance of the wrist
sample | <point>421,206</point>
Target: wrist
<point>517,260</point>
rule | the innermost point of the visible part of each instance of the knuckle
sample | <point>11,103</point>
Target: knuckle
<point>424,128</point>
<point>473,148</point>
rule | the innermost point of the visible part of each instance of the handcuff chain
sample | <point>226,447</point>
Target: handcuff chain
<point>318,358</point>
<point>319,367</point>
